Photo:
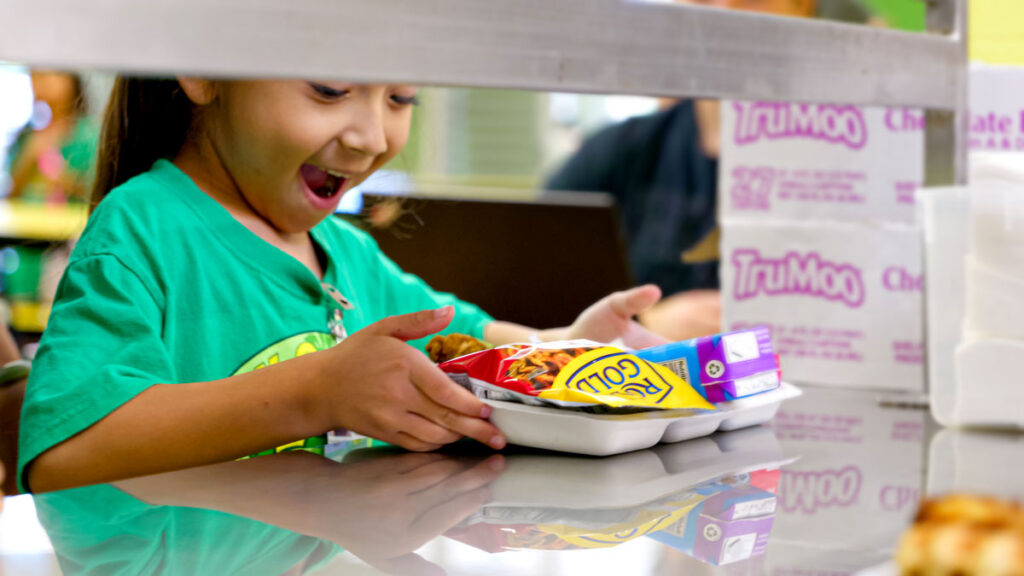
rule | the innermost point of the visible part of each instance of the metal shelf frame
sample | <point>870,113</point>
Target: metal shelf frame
<point>597,46</point>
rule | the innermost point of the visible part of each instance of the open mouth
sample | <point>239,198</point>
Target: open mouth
<point>323,183</point>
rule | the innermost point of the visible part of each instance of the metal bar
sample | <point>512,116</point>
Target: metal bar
<point>602,46</point>
<point>945,161</point>
<point>945,133</point>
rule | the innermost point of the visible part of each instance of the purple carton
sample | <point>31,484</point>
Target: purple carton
<point>728,527</point>
<point>722,367</point>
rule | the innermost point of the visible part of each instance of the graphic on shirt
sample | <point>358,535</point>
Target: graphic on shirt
<point>292,347</point>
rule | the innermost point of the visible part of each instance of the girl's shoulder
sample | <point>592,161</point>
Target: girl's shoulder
<point>145,209</point>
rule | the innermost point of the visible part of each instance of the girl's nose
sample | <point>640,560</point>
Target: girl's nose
<point>365,134</point>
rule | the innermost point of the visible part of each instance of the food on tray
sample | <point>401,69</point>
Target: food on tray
<point>722,367</point>
<point>966,535</point>
<point>540,367</point>
<point>572,374</point>
<point>450,346</point>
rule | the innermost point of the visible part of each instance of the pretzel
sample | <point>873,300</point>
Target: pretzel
<point>445,348</point>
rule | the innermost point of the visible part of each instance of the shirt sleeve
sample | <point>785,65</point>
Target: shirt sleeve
<point>406,293</point>
<point>101,348</point>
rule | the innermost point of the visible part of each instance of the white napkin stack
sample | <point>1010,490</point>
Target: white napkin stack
<point>989,360</point>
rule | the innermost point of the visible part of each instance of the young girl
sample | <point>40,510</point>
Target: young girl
<point>199,313</point>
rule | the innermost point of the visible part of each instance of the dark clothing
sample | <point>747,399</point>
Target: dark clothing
<point>665,188</point>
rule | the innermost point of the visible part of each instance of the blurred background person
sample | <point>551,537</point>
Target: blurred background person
<point>51,159</point>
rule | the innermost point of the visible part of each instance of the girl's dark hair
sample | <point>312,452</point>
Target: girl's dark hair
<point>78,95</point>
<point>146,119</point>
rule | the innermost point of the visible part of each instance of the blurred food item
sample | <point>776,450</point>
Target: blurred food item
<point>451,346</point>
<point>964,535</point>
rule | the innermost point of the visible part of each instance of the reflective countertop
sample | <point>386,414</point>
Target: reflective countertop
<point>826,488</point>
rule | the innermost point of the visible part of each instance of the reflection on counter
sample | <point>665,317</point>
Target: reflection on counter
<point>719,522</point>
<point>712,498</point>
<point>856,487</point>
<point>976,462</point>
<point>972,521</point>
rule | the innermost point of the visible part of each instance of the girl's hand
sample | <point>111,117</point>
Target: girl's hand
<point>611,318</point>
<point>686,315</point>
<point>376,384</point>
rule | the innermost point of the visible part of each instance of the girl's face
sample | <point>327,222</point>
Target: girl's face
<point>292,148</point>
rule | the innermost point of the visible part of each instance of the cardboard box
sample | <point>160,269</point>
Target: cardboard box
<point>844,302</point>
<point>796,161</point>
<point>996,120</point>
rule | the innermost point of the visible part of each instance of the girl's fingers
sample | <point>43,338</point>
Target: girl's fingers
<point>631,302</point>
<point>411,443</point>
<point>472,427</point>
<point>636,336</point>
<point>426,430</point>
<point>439,388</point>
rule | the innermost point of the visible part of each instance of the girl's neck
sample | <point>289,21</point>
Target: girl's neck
<point>199,160</point>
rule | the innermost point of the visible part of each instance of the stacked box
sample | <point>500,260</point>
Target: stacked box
<point>819,240</point>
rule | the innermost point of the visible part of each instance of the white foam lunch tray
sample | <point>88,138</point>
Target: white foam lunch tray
<point>607,434</point>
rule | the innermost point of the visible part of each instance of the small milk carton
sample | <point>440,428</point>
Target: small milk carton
<point>722,367</point>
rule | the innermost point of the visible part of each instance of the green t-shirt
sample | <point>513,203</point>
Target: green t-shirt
<point>102,530</point>
<point>165,286</point>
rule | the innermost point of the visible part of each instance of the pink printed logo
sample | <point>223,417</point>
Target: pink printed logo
<point>775,120</point>
<point>752,187</point>
<point>793,274</point>
<point>896,279</point>
<point>899,497</point>
<point>811,491</point>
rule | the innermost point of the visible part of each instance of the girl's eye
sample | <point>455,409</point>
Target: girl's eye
<point>327,92</point>
<point>405,100</point>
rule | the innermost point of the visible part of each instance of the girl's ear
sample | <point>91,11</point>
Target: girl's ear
<point>200,91</point>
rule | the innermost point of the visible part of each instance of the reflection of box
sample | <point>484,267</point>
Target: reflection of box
<point>856,487</point>
<point>843,301</point>
<point>767,480</point>
<point>728,527</point>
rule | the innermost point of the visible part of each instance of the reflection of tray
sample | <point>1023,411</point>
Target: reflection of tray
<point>547,500</point>
<point>602,434</point>
<point>553,481</point>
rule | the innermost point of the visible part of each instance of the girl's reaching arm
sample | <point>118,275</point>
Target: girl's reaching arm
<point>373,383</point>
